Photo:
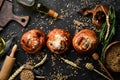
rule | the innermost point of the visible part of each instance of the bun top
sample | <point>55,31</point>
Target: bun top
<point>32,41</point>
<point>85,41</point>
<point>58,40</point>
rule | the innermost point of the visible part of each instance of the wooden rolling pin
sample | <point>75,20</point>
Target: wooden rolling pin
<point>8,64</point>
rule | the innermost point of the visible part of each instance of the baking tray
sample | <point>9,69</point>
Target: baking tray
<point>54,68</point>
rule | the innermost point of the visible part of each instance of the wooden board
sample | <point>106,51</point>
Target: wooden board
<point>6,15</point>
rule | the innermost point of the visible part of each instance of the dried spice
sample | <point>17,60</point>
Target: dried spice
<point>16,72</point>
<point>41,62</point>
<point>70,63</point>
<point>27,75</point>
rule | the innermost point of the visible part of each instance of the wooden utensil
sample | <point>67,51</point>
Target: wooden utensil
<point>90,67</point>
<point>6,15</point>
<point>96,57</point>
<point>8,64</point>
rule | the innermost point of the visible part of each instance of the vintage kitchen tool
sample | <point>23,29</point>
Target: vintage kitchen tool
<point>6,15</point>
<point>8,65</point>
<point>90,67</point>
<point>96,57</point>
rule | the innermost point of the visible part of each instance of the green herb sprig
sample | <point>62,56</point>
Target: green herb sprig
<point>107,31</point>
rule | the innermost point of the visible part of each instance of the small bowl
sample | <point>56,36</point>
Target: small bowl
<point>112,56</point>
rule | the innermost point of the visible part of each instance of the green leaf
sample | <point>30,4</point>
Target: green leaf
<point>102,33</point>
<point>112,16</point>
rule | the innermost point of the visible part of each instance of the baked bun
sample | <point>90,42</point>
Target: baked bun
<point>85,41</point>
<point>32,41</point>
<point>58,40</point>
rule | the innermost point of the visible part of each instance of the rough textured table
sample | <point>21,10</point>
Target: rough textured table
<point>54,68</point>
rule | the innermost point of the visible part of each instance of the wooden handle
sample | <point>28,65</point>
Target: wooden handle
<point>90,67</point>
<point>101,74</point>
<point>105,70</point>
<point>13,50</point>
<point>6,68</point>
<point>23,20</point>
<point>95,56</point>
<point>8,65</point>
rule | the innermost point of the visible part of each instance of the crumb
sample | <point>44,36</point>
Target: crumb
<point>53,60</point>
<point>78,60</point>
<point>59,76</point>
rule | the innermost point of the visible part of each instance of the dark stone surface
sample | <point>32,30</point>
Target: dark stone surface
<point>54,68</point>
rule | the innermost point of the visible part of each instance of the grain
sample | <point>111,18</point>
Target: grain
<point>70,63</point>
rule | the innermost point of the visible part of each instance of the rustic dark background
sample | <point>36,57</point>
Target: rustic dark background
<point>54,68</point>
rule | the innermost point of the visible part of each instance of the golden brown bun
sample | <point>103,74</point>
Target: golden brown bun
<point>58,40</point>
<point>85,41</point>
<point>32,41</point>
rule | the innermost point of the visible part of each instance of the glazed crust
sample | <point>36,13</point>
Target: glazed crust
<point>58,40</point>
<point>85,41</point>
<point>32,41</point>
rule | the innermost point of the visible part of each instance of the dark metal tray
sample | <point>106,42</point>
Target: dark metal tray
<point>54,68</point>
